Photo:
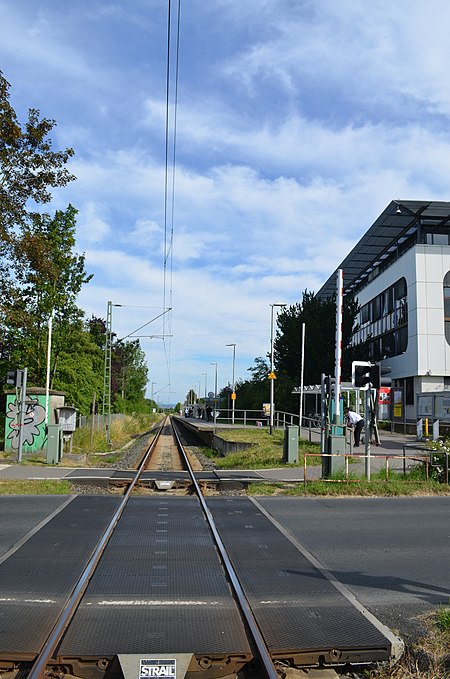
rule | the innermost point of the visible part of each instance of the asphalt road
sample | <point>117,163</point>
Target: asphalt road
<point>393,554</point>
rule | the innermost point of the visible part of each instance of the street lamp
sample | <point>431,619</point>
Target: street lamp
<point>205,375</point>
<point>47,380</point>
<point>233,395</point>
<point>215,396</point>
<point>272,374</point>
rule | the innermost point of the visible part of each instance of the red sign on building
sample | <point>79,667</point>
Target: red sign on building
<point>384,396</point>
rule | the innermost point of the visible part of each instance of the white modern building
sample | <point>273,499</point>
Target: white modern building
<point>400,274</point>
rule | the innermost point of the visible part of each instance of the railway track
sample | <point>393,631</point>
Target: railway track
<point>175,587</point>
<point>166,452</point>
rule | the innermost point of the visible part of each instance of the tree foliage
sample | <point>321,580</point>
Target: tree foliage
<point>129,374</point>
<point>41,276</point>
<point>79,368</point>
<point>48,278</point>
<point>252,393</point>
<point>29,167</point>
<point>319,317</point>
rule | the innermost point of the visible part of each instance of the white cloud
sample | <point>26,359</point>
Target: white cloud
<point>297,123</point>
<point>92,225</point>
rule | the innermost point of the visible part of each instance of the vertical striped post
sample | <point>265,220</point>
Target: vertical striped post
<point>338,352</point>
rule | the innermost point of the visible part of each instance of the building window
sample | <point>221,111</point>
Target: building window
<point>383,322</point>
<point>447,306</point>
<point>409,391</point>
<point>436,238</point>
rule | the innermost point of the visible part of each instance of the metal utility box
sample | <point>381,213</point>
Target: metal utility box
<point>332,465</point>
<point>54,443</point>
<point>290,444</point>
<point>66,416</point>
<point>34,429</point>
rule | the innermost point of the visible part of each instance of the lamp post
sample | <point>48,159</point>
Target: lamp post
<point>152,395</point>
<point>302,359</point>
<point>215,396</point>
<point>205,375</point>
<point>272,374</point>
<point>233,395</point>
<point>47,380</point>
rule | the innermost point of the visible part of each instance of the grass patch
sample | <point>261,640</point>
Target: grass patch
<point>27,458</point>
<point>26,487</point>
<point>354,487</point>
<point>122,430</point>
<point>265,453</point>
<point>443,619</point>
<point>428,657</point>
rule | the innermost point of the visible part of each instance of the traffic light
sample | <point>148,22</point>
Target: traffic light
<point>375,376</point>
<point>11,378</point>
<point>361,375</point>
<point>14,378</point>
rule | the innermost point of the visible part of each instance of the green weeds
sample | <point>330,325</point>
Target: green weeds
<point>27,487</point>
<point>266,451</point>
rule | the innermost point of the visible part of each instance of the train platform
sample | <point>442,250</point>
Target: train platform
<point>397,451</point>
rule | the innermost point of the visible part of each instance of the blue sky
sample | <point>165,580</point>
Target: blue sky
<point>298,122</point>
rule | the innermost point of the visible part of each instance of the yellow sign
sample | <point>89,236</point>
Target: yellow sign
<point>233,396</point>
<point>272,376</point>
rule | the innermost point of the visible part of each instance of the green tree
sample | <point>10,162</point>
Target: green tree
<point>48,276</point>
<point>319,316</point>
<point>29,167</point>
<point>191,397</point>
<point>79,369</point>
<point>129,376</point>
<point>252,393</point>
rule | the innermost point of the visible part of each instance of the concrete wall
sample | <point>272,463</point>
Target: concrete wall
<point>214,441</point>
<point>34,433</point>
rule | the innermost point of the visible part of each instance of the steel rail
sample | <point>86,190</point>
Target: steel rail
<point>264,653</point>
<point>38,668</point>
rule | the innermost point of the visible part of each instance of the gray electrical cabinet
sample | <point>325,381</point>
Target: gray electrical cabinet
<point>334,462</point>
<point>54,443</point>
<point>290,444</point>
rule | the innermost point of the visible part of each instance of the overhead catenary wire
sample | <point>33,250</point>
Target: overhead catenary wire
<point>170,143</point>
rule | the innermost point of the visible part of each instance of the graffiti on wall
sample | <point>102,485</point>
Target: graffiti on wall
<point>33,418</point>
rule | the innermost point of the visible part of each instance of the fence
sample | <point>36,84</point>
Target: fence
<point>253,418</point>
<point>97,421</point>
<point>425,459</point>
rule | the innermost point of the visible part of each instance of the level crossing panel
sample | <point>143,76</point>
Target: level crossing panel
<point>37,578</point>
<point>159,588</point>
<point>298,610</point>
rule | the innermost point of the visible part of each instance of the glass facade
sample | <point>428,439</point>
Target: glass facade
<point>447,306</point>
<point>383,322</point>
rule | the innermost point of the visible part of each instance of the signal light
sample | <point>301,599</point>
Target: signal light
<point>369,375</point>
<point>11,378</point>
<point>14,378</point>
<point>375,376</point>
<point>361,375</point>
